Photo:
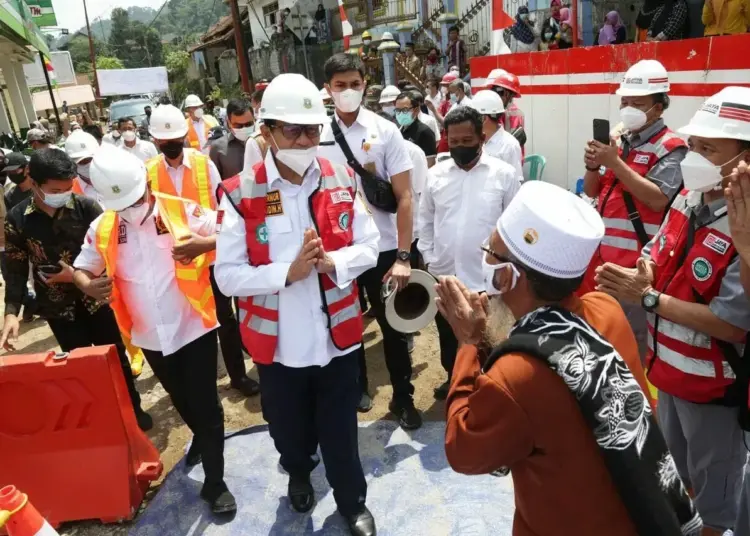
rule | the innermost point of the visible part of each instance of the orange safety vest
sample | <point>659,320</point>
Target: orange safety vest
<point>192,279</point>
<point>77,188</point>
<point>196,186</point>
<point>332,211</point>
<point>192,134</point>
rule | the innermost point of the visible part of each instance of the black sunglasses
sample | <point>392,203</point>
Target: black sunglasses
<point>293,132</point>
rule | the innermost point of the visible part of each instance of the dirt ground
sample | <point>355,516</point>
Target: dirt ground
<point>170,435</point>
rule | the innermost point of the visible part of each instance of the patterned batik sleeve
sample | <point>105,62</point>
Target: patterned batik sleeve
<point>16,268</point>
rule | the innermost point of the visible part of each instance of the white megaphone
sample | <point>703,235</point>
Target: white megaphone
<point>413,307</point>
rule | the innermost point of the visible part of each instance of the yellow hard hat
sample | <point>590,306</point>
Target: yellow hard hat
<point>366,35</point>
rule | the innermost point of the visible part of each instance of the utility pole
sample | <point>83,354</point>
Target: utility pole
<point>93,60</point>
<point>51,92</point>
<point>239,44</point>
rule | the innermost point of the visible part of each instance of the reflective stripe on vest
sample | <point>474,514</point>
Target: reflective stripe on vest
<point>689,365</point>
<point>259,315</point>
<point>192,134</point>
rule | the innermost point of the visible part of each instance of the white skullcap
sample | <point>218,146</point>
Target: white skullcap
<point>550,230</point>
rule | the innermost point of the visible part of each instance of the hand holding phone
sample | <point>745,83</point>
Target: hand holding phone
<point>601,131</point>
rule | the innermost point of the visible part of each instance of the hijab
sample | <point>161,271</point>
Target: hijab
<point>556,16</point>
<point>520,29</point>
<point>608,33</point>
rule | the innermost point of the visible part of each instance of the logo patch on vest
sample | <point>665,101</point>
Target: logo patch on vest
<point>261,234</point>
<point>641,159</point>
<point>702,269</point>
<point>344,221</point>
<point>719,245</point>
<point>273,203</point>
<point>341,196</point>
<point>219,218</point>
<point>122,234</point>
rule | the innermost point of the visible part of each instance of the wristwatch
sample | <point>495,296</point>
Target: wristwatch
<point>650,300</point>
<point>403,256</point>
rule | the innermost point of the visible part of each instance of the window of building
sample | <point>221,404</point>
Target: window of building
<point>270,13</point>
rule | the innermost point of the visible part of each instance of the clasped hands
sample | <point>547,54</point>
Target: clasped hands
<point>312,255</point>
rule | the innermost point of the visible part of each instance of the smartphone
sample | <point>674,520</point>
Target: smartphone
<point>601,131</point>
<point>50,269</point>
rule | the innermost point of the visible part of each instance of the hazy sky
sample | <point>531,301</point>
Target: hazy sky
<point>70,12</point>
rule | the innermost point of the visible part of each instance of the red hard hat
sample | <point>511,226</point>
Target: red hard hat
<point>508,81</point>
<point>448,78</point>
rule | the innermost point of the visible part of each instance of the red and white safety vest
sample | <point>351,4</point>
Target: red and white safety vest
<point>681,361</point>
<point>620,244</point>
<point>332,211</point>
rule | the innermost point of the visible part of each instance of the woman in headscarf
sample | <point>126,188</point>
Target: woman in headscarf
<point>555,17</point>
<point>613,32</point>
<point>565,39</point>
<point>523,37</point>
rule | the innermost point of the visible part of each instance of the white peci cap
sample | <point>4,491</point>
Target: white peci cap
<point>550,230</point>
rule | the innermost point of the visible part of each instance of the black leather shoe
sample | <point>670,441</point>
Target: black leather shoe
<point>365,403</point>
<point>193,455</point>
<point>300,493</point>
<point>145,422</point>
<point>408,416</point>
<point>441,392</point>
<point>362,524</point>
<point>222,502</point>
<point>247,386</point>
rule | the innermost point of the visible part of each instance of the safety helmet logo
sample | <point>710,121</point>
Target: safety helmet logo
<point>307,103</point>
<point>116,189</point>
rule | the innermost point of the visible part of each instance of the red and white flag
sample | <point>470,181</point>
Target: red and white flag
<point>346,27</point>
<point>500,21</point>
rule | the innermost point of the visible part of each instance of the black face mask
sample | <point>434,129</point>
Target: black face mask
<point>148,113</point>
<point>172,149</point>
<point>17,178</point>
<point>463,156</point>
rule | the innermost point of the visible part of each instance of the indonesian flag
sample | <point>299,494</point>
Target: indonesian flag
<point>346,27</point>
<point>50,71</point>
<point>500,21</point>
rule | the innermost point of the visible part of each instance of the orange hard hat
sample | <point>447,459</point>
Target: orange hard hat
<point>448,78</point>
<point>508,81</point>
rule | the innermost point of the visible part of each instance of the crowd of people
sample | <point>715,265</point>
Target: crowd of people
<point>617,402</point>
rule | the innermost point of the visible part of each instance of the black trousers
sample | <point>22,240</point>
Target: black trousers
<point>95,329</point>
<point>448,344</point>
<point>311,406</point>
<point>395,345</point>
<point>229,334</point>
<point>189,377</point>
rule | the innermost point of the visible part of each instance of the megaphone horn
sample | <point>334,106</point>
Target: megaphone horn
<point>413,307</point>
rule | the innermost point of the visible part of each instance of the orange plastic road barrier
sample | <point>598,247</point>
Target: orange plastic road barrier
<point>69,438</point>
<point>19,517</point>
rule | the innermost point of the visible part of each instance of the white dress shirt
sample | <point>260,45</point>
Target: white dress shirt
<point>505,146</point>
<point>304,339</point>
<point>142,149</point>
<point>253,154</point>
<point>432,123</point>
<point>177,174</point>
<point>458,211</point>
<point>463,102</point>
<point>163,319</point>
<point>373,140</point>
<point>418,178</point>
<point>436,100</point>
<point>109,138</point>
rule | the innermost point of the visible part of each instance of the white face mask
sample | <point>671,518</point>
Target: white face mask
<point>348,100</point>
<point>390,110</point>
<point>488,270</point>
<point>84,172</point>
<point>633,118</point>
<point>128,135</point>
<point>56,200</point>
<point>116,134</point>
<point>298,160</point>
<point>198,114</point>
<point>700,174</point>
<point>136,215</point>
<point>244,133</point>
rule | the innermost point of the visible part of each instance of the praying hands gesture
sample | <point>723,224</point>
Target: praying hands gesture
<point>737,194</point>
<point>465,311</point>
<point>625,284</point>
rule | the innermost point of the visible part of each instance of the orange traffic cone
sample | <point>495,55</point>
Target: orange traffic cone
<point>19,517</point>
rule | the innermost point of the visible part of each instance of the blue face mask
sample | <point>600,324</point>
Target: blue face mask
<point>404,119</point>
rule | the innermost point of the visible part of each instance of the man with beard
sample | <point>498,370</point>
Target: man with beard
<point>558,404</point>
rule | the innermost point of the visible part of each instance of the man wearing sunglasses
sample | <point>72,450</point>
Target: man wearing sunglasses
<point>294,237</point>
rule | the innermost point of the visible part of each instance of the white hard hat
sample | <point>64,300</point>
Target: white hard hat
<point>294,99</point>
<point>324,94</point>
<point>192,101</point>
<point>80,145</point>
<point>168,123</point>
<point>387,36</point>
<point>118,177</point>
<point>725,115</point>
<point>413,307</point>
<point>389,94</point>
<point>487,102</point>
<point>647,77</point>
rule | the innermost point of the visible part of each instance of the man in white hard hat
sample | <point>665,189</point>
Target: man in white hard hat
<point>558,405</point>
<point>499,142</point>
<point>294,237</point>
<point>379,151</point>
<point>81,148</point>
<point>143,150</point>
<point>463,198</point>
<point>387,100</point>
<point>640,179</point>
<point>162,302</point>
<point>199,123</point>
<point>688,281</point>
<point>183,172</point>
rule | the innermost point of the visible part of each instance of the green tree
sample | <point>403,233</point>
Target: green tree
<point>80,55</point>
<point>108,62</point>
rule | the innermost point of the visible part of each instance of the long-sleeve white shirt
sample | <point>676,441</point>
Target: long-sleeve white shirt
<point>143,150</point>
<point>505,146</point>
<point>163,319</point>
<point>178,173</point>
<point>253,154</point>
<point>418,176</point>
<point>304,339</point>
<point>457,212</point>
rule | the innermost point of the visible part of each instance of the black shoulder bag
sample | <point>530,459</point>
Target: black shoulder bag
<point>379,192</point>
